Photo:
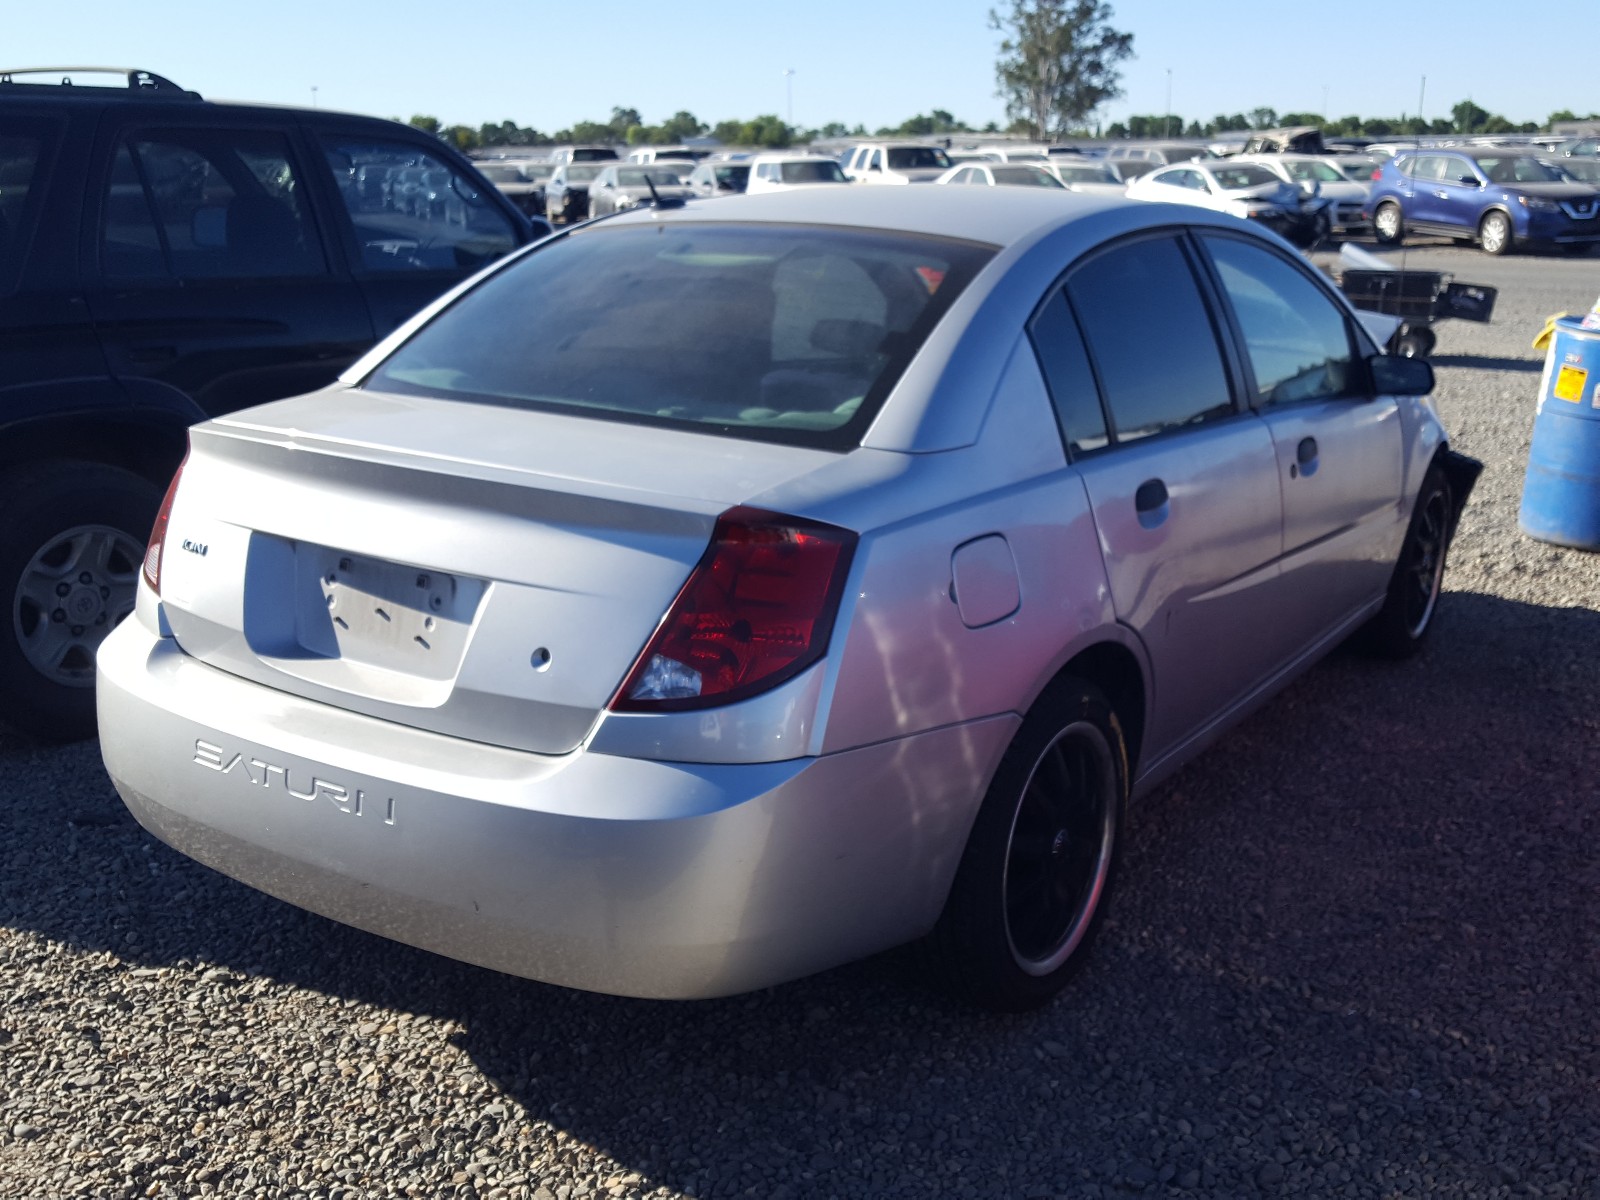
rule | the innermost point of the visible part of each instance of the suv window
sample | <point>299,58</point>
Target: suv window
<point>1127,297</point>
<point>422,215</point>
<point>1297,338</point>
<point>206,204</point>
<point>19,159</point>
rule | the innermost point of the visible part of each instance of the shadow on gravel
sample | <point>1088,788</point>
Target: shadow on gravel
<point>1483,363</point>
<point>1365,919</point>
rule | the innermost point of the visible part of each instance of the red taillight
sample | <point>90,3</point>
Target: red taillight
<point>158,534</point>
<point>1377,172</point>
<point>758,609</point>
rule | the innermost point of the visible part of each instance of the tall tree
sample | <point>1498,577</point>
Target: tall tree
<point>1058,62</point>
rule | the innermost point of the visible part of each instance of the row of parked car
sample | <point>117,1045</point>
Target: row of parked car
<point>1500,197</point>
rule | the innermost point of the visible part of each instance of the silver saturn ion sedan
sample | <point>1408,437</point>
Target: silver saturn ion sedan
<point>714,595</point>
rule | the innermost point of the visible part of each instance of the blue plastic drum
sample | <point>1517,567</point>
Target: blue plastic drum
<point>1561,494</point>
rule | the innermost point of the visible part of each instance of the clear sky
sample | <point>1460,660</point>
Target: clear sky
<point>875,62</point>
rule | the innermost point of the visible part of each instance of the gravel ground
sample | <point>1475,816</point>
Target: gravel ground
<point>1354,954</point>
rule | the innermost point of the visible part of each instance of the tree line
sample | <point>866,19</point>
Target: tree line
<point>1059,63</point>
<point>627,128</point>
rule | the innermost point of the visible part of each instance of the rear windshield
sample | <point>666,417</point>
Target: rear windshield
<point>911,158</point>
<point>780,333</point>
<point>1025,177</point>
<point>662,175</point>
<point>1233,178</point>
<point>813,172</point>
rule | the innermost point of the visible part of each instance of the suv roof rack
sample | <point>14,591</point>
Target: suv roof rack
<point>139,84</point>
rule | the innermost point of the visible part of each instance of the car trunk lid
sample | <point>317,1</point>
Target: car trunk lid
<point>476,571</point>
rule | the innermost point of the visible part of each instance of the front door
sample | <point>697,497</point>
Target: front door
<point>1338,448</point>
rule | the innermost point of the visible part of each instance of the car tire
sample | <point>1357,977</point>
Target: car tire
<point>1494,233</point>
<point>1388,226</point>
<point>1048,831</point>
<point>1414,343</point>
<point>1401,626</point>
<point>71,549</point>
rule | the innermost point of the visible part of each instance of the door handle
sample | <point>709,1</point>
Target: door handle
<point>1150,501</point>
<point>1305,456</point>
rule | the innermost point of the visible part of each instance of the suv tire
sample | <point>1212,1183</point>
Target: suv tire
<point>71,549</point>
<point>1387,224</point>
<point>1494,233</point>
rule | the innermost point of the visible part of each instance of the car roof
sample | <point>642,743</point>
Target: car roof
<point>998,216</point>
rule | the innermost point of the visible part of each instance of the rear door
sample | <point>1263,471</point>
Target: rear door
<point>1182,480</point>
<point>1338,448</point>
<point>413,242</point>
<point>49,356</point>
<point>209,270</point>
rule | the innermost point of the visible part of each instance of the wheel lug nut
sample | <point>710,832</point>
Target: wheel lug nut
<point>100,620</point>
<point>63,588</point>
<point>105,593</point>
<point>77,631</point>
<point>85,578</point>
<point>59,615</point>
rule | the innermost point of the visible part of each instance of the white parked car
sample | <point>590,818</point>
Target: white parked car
<point>998,174</point>
<point>1319,175</point>
<point>780,172</point>
<point>1087,175</point>
<point>1248,191</point>
<point>896,162</point>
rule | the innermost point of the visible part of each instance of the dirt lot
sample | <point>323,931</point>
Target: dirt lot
<point>1354,953</point>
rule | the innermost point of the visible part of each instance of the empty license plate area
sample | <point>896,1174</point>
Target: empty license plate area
<point>383,614</point>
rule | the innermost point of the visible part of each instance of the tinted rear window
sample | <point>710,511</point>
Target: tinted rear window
<point>19,161</point>
<point>792,334</point>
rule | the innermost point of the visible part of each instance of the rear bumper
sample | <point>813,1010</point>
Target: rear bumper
<point>598,872</point>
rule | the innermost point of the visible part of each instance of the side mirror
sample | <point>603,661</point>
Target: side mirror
<point>1394,375</point>
<point>1468,180</point>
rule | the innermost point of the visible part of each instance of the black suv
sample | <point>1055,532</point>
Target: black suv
<point>164,259</point>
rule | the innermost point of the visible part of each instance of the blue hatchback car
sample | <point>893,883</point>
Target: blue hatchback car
<point>1500,199</point>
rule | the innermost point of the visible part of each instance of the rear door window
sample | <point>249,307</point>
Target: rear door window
<point>414,212</point>
<point>20,183</point>
<point>1140,305</point>
<point>207,204</point>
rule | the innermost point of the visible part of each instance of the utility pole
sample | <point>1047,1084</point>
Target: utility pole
<point>313,95</point>
<point>788,82</point>
<point>1166,123</point>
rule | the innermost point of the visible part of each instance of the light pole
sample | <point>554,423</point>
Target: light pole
<point>788,83</point>
<point>313,95</point>
<point>1166,123</point>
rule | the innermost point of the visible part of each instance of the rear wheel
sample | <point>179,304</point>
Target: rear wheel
<point>1402,624</point>
<point>70,551</point>
<point>1494,233</point>
<point>1031,889</point>
<point>1387,225</point>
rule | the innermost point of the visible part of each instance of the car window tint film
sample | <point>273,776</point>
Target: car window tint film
<point>227,205</point>
<point>19,157</point>
<point>1073,391</point>
<point>413,212</point>
<point>1297,338</point>
<point>782,333</point>
<point>1151,338</point>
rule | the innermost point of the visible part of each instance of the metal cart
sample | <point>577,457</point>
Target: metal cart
<point>1417,298</point>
